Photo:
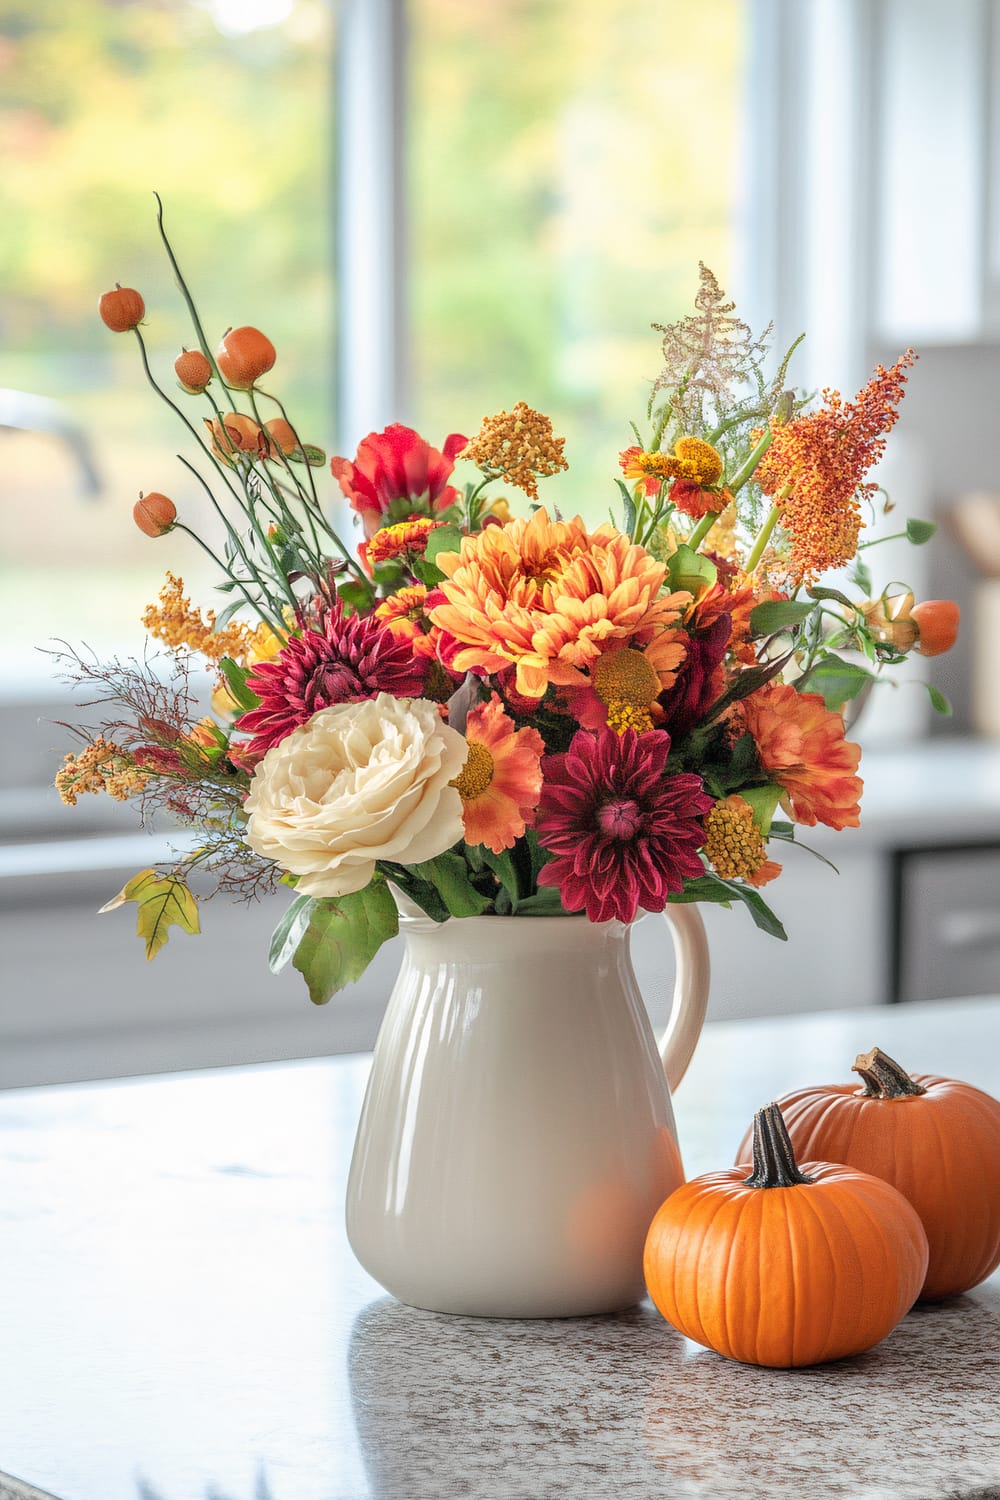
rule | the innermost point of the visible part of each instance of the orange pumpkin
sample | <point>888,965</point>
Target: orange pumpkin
<point>936,1140</point>
<point>122,308</point>
<point>787,1266</point>
<point>154,513</point>
<point>193,371</point>
<point>243,356</point>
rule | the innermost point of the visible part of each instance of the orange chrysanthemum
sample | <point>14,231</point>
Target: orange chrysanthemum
<point>548,597</point>
<point>405,613</point>
<point>817,465</point>
<point>501,780</point>
<point>734,845</point>
<point>801,745</point>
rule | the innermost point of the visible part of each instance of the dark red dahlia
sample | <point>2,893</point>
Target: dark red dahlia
<point>700,679</point>
<point>625,833</point>
<point>351,659</point>
<point>397,464</point>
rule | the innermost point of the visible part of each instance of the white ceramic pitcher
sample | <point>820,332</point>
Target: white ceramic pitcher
<point>517,1134</point>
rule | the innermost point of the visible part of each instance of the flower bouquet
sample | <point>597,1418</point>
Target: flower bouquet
<point>492,713</point>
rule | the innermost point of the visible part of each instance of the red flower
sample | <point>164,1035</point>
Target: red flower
<point>700,679</point>
<point>398,465</point>
<point>625,833</point>
<point>352,659</point>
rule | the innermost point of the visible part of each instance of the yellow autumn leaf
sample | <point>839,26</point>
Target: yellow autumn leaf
<point>163,902</point>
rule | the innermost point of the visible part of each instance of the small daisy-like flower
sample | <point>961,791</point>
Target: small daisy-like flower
<point>625,683</point>
<point>501,779</point>
<point>352,659</point>
<point>734,845</point>
<point>624,833</point>
<point>517,445</point>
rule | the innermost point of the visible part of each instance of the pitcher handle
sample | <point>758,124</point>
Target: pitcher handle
<point>690,1002</point>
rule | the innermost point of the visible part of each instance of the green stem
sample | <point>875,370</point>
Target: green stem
<point>702,529</point>
<point>897,536</point>
<point>182,284</point>
<point>748,468</point>
<point>763,537</point>
<point>237,542</point>
<point>187,423</point>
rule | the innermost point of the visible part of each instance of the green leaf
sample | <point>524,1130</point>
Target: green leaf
<point>427,572</point>
<point>343,935</point>
<point>629,511</point>
<point>449,875</point>
<point>689,571</point>
<point>764,801</point>
<point>309,454</point>
<point>443,539</point>
<point>163,902</point>
<point>839,681</point>
<point>289,932</point>
<point>778,614</point>
<point>939,701</point>
<point>820,591</point>
<point>546,903</point>
<point>919,532</point>
<point>724,892</point>
<point>236,676</point>
<point>356,594</point>
<point>505,870</point>
<point>862,575</point>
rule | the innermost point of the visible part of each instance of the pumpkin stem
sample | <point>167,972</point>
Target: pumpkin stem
<point>883,1078</point>
<point>774,1162</point>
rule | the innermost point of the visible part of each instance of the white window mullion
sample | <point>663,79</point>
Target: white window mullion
<point>371,289</point>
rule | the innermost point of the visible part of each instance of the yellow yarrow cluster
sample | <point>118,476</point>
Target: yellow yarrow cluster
<point>173,620</point>
<point>101,767</point>
<point>734,844</point>
<point>517,445</point>
<point>692,459</point>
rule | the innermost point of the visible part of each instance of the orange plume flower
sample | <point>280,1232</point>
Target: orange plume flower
<point>817,464</point>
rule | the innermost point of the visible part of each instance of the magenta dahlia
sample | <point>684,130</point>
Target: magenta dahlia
<point>624,832</point>
<point>352,659</point>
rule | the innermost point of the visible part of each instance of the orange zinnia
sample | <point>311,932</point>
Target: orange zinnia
<point>501,780</point>
<point>801,745</point>
<point>549,597</point>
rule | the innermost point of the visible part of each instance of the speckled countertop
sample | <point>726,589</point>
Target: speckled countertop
<point>181,1317</point>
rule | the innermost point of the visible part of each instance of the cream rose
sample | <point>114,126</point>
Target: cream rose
<point>359,782</point>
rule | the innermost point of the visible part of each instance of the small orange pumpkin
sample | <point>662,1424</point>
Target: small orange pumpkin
<point>154,513</point>
<point>935,1139</point>
<point>122,308</point>
<point>193,371</point>
<point>243,356</point>
<point>787,1266</point>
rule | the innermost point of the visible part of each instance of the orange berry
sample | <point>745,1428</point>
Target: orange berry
<point>243,356</point>
<point>282,435</point>
<point>937,621</point>
<point>121,309</point>
<point>236,433</point>
<point>192,370</point>
<point>154,514</point>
